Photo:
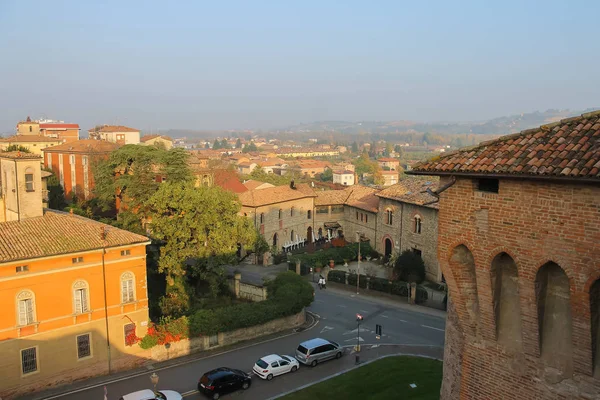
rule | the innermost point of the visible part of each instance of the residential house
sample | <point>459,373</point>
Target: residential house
<point>157,140</point>
<point>118,134</point>
<point>252,185</point>
<point>345,178</point>
<point>36,144</point>
<point>360,214</point>
<point>73,290</point>
<point>281,213</point>
<point>246,168</point>
<point>518,243</point>
<point>73,164</point>
<point>408,220</point>
<point>389,177</point>
<point>272,165</point>
<point>389,164</point>
<point>305,152</point>
<point>28,127</point>
<point>228,180</point>
<point>59,130</point>
<point>310,167</point>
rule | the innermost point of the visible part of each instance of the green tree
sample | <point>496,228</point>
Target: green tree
<point>224,144</point>
<point>249,147</point>
<point>238,143</point>
<point>17,147</point>
<point>410,267</point>
<point>56,194</point>
<point>201,230</point>
<point>216,145</point>
<point>207,145</point>
<point>388,149</point>
<point>327,175</point>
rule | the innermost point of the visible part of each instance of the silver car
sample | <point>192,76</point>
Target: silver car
<point>316,350</point>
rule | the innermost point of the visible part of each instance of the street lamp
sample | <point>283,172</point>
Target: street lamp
<point>154,380</point>
<point>359,318</point>
<point>358,268</point>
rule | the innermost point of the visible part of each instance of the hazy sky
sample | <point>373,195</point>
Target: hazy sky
<point>247,64</point>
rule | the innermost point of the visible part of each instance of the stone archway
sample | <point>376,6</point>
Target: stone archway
<point>388,245</point>
<point>309,235</point>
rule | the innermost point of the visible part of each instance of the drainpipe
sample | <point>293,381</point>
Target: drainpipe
<point>103,236</point>
<point>436,193</point>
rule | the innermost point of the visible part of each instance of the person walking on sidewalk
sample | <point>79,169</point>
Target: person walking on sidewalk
<point>322,282</point>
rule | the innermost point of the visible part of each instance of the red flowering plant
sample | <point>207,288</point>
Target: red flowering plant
<point>168,330</point>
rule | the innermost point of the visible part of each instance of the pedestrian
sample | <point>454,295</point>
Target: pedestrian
<point>321,281</point>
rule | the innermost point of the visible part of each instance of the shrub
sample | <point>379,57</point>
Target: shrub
<point>362,283</point>
<point>380,284</point>
<point>422,295</point>
<point>337,276</point>
<point>399,288</point>
<point>148,342</point>
<point>410,267</point>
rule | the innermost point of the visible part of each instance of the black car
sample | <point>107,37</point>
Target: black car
<point>223,380</point>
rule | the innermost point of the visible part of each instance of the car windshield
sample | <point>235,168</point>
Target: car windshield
<point>262,364</point>
<point>302,349</point>
<point>336,344</point>
<point>205,380</point>
<point>286,358</point>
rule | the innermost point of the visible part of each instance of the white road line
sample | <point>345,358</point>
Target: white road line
<point>384,316</point>
<point>431,327</point>
<point>401,320</point>
<point>341,305</point>
<point>364,311</point>
<point>191,392</point>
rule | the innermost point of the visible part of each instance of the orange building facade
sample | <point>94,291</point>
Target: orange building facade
<point>73,292</point>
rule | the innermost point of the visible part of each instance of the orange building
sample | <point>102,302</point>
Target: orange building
<point>73,290</point>
<point>72,163</point>
<point>65,132</point>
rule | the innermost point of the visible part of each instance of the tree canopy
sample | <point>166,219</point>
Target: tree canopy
<point>18,147</point>
<point>249,147</point>
<point>410,267</point>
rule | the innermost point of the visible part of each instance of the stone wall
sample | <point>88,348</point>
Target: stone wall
<point>537,242</point>
<point>190,346</point>
<point>246,291</point>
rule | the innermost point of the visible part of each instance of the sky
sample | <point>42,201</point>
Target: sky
<point>265,64</point>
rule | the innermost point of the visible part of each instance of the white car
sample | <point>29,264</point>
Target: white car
<point>148,394</point>
<point>273,365</point>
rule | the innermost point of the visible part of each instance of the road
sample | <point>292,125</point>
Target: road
<point>417,333</point>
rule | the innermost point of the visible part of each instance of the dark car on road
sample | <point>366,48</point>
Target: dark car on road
<point>221,381</point>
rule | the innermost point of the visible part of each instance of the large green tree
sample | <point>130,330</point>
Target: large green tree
<point>200,229</point>
<point>56,194</point>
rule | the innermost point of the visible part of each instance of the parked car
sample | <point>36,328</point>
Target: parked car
<point>222,381</point>
<point>273,365</point>
<point>148,394</point>
<point>317,350</point>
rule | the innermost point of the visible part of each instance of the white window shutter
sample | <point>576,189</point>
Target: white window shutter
<point>124,291</point>
<point>84,306</point>
<point>130,290</point>
<point>22,312</point>
<point>77,297</point>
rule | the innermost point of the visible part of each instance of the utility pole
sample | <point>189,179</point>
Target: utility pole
<point>358,268</point>
<point>359,318</point>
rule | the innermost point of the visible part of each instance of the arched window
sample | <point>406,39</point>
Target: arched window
<point>80,297</point>
<point>595,313</point>
<point>29,186</point>
<point>127,287</point>
<point>308,214</point>
<point>389,216</point>
<point>417,224</point>
<point>280,213</point>
<point>292,238</point>
<point>505,290</point>
<point>462,264</point>
<point>275,239</point>
<point>292,212</point>
<point>262,218</point>
<point>26,307</point>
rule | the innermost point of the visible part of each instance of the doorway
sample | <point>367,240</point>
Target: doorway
<point>275,240</point>
<point>309,237</point>
<point>388,248</point>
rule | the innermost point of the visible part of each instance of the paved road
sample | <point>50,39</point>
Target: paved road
<point>417,333</point>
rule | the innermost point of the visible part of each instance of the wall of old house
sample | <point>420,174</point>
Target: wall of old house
<point>535,242</point>
<point>353,223</point>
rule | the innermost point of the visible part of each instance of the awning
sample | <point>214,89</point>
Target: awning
<point>331,225</point>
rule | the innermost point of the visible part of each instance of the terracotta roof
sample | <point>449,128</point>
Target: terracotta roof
<point>30,139</point>
<point>145,138</point>
<point>388,159</point>
<point>568,149</point>
<point>18,154</point>
<point>59,126</point>
<point>252,184</point>
<point>313,164</point>
<point>410,190</point>
<point>112,128</point>
<point>343,172</point>
<point>84,146</point>
<point>389,172</point>
<point>364,198</point>
<point>271,162</point>
<point>277,194</point>
<point>56,233</point>
<point>228,180</point>
<point>331,197</point>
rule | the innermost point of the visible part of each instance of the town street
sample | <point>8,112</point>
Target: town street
<point>404,330</point>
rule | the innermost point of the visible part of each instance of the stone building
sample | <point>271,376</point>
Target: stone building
<point>407,220</point>
<point>281,213</point>
<point>115,133</point>
<point>519,245</point>
<point>157,140</point>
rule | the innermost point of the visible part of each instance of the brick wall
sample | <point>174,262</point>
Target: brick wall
<point>538,242</point>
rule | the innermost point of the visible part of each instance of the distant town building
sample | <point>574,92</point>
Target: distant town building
<point>345,178</point>
<point>65,132</point>
<point>390,177</point>
<point>115,134</point>
<point>36,144</point>
<point>153,140</point>
<point>393,164</point>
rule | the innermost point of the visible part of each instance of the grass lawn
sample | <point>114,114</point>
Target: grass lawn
<point>388,378</point>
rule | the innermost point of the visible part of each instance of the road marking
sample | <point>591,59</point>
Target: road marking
<point>385,316</point>
<point>188,361</point>
<point>431,327</point>
<point>375,346</point>
<point>326,328</point>
<point>359,339</point>
<point>401,320</point>
<point>351,332</point>
<point>191,392</point>
<point>364,311</point>
<point>341,305</point>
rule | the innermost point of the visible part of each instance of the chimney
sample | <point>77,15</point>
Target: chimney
<point>102,233</point>
<point>292,185</point>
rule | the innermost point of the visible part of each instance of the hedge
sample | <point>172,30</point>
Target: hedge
<point>337,254</point>
<point>288,294</point>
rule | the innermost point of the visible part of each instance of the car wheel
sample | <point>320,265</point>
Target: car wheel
<point>269,377</point>
<point>314,363</point>
<point>294,368</point>
<point>216,396</point>
<point>338,355</point>
<point>245,386</point>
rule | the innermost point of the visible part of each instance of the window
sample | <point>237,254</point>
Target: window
<point>292,211</point>
<point>308,214</point>
<point>84,160</point>
<point>322,210</point>
<point>72,159</point>
<point>357,215</point>
<point>125,253</point>
<point>274,364</point>
<point>77,260</point>
<point>280,213</point>
<point>127,290</point>
<point>84,348</point>
<point>80,297</point>
<point>366,217</point>
<point>129,332</point>
<point>361,217</point>
<point>389,216</point>
<point>337,209</point>
<point>26,308</point>
<point>417,224</point>
<point>22,268</point>
<point>29,180</point>
<point>488,185</point>
<point>29,362</point>
<point>30,129</point>
<point>262,218</point>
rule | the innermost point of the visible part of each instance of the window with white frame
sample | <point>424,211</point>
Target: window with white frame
<point>26,307</point>
<point>29,186</point>
<point>29,360</point>
<point>125,252</point>
<point>417,224</point>
<point>84,346</point>
<point>127,288</point>
<point>80,297</point>
<point>77,260</point>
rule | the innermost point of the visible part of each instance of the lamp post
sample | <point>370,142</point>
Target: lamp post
<point>154,380</point>
<point>359,318</point>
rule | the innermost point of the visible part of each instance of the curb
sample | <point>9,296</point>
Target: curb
<point>347,370</point>
<point>314,323</point>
